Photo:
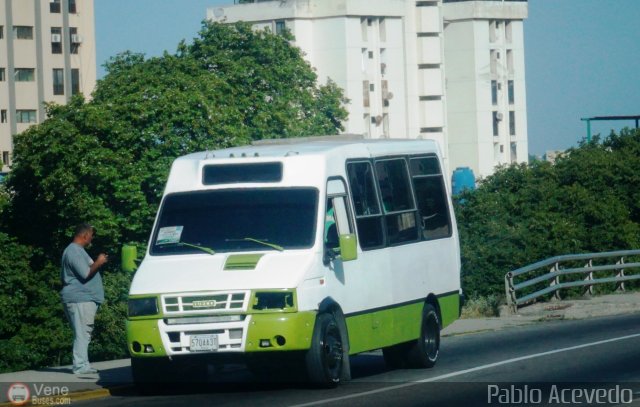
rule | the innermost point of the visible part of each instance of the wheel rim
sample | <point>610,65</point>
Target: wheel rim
<point>431,337</point>
<point>332,351</point>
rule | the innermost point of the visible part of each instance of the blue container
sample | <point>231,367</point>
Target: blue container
<point>462,179</point>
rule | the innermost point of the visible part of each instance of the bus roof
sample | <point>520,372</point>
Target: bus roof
<point>319,146</point>
<point>305,160</point>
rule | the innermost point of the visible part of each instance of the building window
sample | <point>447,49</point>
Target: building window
<point>74,40</point>
<point>3,116</point>
<point>25,116</point>
<point>363,28</point>
<point>382,28</point>
<point>5,158</point>
<point>494,93</point>
<point>56,40</point>
<point>365,93</point>
<point>365,205</point>
<point>23,32</point>
<point>512,97</point>
<point>75,81</point>
<point>2,75</point>
<point>1,32</point>
<point>514,152</point>
<point>508,32</point>
<point>510,66</point>
<point>494,55</point>
<point>492,31</point>
<point>512,123</point>
<point>54,6</point>
<point>24,75</point>
<point>72,6</point>
<point>58,81</point>
<point>496,123</point>
<point>280,27</point>
<point>386,95</point>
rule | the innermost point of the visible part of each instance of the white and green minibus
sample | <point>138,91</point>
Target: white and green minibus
<point>307,251</point>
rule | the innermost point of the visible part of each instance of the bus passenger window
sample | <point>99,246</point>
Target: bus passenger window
<point>432,198</point>
<point>365,203</point>
<point>400,211</point>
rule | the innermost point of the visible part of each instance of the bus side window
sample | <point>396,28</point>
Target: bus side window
<point>336,221</point>
<point>397,200</point>
<point>432,198</point>
<point>331,240</point>
<point>366,207</point>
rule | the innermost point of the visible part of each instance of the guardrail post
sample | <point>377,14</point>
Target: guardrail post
<point>588,287</point>
<point>510,293</point>
<point>555,281</point>
<point>620,285</point>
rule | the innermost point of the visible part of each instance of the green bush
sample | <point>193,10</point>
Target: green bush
<point>589,201</point>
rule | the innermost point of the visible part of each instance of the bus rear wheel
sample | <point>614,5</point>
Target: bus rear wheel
<point>324,359</point>
<point>423,353</point>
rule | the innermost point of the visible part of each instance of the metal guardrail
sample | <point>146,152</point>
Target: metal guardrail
<point>557,271</point>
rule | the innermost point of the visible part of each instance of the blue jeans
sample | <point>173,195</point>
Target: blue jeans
<point>81,316</point>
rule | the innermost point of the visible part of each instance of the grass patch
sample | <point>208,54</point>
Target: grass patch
<point>482,307</point>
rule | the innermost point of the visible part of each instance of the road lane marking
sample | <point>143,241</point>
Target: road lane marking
<point>465,371</point>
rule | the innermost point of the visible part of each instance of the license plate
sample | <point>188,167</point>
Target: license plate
<point>204,343</point>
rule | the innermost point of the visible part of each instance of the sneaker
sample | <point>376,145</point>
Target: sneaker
<point>85,370</point>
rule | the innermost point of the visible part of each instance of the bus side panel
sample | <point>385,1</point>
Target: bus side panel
<point>378,329</point>
<point>449,308</point>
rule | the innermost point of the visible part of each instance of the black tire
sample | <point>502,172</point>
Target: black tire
<point>423,353</point>
<point>324,359</point>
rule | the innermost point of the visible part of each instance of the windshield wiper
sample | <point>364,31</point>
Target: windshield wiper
<point>262,242</point>
<point>195,246</point>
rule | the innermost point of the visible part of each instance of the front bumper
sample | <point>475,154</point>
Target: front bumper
<point>259,332</point>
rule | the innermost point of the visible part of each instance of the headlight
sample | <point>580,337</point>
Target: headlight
<point>273,300</point>
<point>143,306</point>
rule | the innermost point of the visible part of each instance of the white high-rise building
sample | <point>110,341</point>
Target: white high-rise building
<point>391,59</point>
<point>47,54</point>
<point>487,110</point>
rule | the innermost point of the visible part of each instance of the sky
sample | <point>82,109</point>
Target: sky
<point>582,57</point>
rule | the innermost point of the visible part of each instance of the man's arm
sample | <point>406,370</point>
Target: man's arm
<point>100,261</point>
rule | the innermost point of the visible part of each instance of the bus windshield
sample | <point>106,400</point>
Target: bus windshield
<point>236,220</point>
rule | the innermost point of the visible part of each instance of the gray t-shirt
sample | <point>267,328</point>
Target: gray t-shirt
<point>75,269</point>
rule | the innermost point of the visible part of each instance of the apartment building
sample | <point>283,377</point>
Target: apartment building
<point>385,54</point>
<point>486,93</point>
<point>391,59</point>
<point>47,54</point>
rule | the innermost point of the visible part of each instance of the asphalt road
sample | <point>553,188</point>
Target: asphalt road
<point>583,362</point>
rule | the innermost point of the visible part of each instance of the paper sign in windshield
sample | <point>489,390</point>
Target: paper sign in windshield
<point>169,234</point>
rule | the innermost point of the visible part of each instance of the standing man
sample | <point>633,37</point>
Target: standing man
<point>82,293</point>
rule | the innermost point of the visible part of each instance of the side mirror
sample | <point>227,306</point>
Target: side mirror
<point>129,257</point>
<point>348,247</point>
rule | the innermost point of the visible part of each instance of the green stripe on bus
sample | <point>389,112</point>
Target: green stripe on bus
<point>449,308</point>
<point>384,328</point>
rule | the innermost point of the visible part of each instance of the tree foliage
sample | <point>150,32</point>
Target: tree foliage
<point>106,160</point>
<point>586,202</point>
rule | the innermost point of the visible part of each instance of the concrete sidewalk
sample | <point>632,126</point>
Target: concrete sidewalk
<point>114,376</point>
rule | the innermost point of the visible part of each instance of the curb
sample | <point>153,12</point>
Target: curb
<point>81,395</point>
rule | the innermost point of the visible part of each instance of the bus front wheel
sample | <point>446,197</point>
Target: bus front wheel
<point>324,359</point>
